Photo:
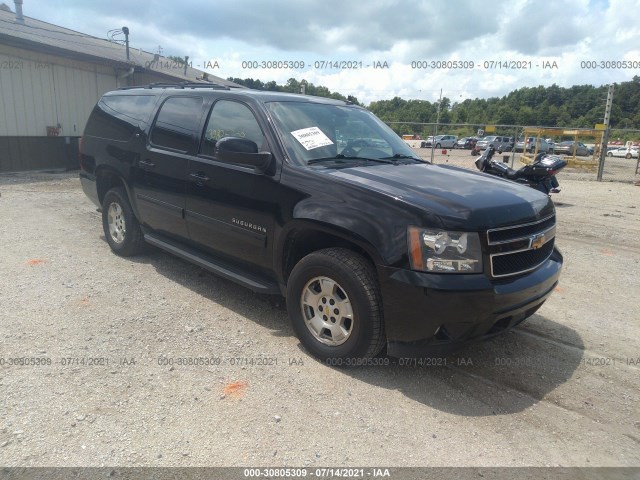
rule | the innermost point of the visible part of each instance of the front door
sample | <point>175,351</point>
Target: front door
<point>230,209</point>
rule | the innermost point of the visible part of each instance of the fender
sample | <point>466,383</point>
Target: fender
<point>106,169</point>
<point>309,224</point>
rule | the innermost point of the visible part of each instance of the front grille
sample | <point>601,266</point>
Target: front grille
<point>521,248</point>
<point>513,263</point>
<point>520,231</point>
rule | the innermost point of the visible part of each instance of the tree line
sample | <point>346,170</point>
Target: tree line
<point>579,106</point>
<point>294,86</point>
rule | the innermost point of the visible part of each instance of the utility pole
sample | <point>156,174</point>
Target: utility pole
<point>433,140</point>
<point>605,137</point>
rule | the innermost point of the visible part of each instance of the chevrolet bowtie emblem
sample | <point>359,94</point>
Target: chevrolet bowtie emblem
<point>537,241</point>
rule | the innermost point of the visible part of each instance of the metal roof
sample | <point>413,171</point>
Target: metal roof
<point>42,36</point>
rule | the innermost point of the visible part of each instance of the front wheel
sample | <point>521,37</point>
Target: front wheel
<point>335,307</point>
<point>121,228</point>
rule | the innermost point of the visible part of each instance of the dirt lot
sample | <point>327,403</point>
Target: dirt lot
<point>560,390</point>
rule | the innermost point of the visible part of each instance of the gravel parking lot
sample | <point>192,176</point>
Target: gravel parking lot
<point>153,362</point>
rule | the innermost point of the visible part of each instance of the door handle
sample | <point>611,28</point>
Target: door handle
<point>200,178</point>
<point>146,164</point>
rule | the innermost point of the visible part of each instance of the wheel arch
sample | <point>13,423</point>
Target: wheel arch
<point>106,179</point>
<point>303,237</point>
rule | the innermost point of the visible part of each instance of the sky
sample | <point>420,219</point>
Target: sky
<point>378,49</point>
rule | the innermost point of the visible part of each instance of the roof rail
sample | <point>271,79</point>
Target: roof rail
<point>215,86</point>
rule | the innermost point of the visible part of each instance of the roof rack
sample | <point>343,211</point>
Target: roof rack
<point>215,86</point>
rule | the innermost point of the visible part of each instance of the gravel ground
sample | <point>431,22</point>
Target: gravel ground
<point>560,390</point>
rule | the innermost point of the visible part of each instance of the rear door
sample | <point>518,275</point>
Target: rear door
<point>161,172</point>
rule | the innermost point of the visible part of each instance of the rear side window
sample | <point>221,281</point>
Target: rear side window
<point>177,123</point>
<point>117,117</point>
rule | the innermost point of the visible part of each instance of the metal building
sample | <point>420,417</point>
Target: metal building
<point>50,79</point>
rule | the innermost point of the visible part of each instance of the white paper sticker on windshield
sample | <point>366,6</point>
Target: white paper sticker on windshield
<point>311,138</point>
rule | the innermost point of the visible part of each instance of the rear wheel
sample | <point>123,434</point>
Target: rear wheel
<point>335,308</point>
<point>121,228</point>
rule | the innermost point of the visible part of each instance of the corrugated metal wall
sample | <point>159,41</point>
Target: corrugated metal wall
<point>39,90</point>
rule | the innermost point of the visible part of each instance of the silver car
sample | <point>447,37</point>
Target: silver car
<point>570,147</point>
<point>532,143</point>
<point>503,144</point>
<point>443,141</point>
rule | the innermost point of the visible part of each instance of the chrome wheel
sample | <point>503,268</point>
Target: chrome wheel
<point>327,311</point>
<point>117,225</point>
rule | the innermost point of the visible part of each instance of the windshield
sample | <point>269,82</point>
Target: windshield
<point>312,132</point>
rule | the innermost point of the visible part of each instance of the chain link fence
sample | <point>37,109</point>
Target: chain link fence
<point>621,163</point>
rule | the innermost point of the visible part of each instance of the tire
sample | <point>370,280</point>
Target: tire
<point>121,227</point>
<point>437,145</point>
<point>341,286</point>
<point>627,156</point>
<point>609,154</point>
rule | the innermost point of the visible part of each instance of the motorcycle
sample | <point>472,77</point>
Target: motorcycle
<point>540,174</point>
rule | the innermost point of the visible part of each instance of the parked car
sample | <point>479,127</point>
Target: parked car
<point>370,245</point>
<point>552,144</point>
<point>466,143</point>
<point>532,143</point>
<point>570,147</point>
<point>504,144</point>
<point>623,152</point>
<point>427,142</point>
<point>443,141</point>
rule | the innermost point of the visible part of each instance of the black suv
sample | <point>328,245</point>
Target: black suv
<point>318,200</point>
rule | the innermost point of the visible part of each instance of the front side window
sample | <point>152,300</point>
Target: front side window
<point>177,123</point>
<point>230,119</point>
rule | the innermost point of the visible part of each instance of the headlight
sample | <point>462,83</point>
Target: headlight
<point>439,251</point>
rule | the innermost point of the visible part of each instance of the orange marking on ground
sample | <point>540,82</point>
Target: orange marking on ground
<point>35,261</point>
<point>607,253</point>
<point>235,389</point>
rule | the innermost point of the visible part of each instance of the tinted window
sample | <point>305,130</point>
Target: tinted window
<point>117,117</point>
<point>177,123</point>
<point>230,119</point>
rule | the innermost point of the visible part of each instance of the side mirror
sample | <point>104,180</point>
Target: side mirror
<point>242,152</point>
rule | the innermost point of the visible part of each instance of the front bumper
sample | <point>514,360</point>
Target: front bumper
<point>429,313</point>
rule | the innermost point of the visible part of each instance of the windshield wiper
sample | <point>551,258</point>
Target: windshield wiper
<point>343,157</point>
<point>402,155</point>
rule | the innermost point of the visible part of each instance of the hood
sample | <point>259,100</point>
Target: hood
<point>461,199</point>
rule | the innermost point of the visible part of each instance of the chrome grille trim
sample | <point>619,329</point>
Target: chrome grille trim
<point>537,239</point>
<point>515,227</point>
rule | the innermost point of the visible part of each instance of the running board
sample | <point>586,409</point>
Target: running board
<point>225,270</point>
